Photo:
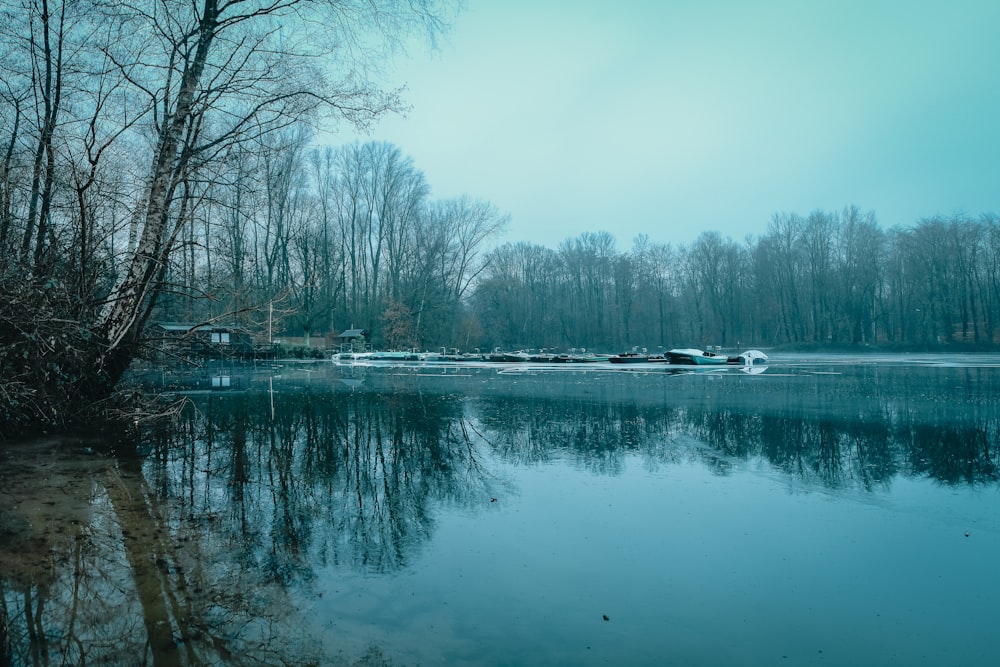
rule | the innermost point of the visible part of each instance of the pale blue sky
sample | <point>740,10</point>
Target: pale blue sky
<point>671,118</point>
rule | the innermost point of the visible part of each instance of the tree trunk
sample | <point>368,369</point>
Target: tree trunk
<point>136,296</point>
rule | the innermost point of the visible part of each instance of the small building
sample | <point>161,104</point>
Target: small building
<point>352,338</point>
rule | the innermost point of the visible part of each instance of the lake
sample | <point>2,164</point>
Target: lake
<point>823,510</point>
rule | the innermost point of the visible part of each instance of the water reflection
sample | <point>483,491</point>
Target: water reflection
<point>346,477</point>
<point>859,429</point>
<point>199,543</point>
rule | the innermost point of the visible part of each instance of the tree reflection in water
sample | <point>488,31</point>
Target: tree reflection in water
<point>858,429</point>
<point>197,551</point>
<point>202,543</point>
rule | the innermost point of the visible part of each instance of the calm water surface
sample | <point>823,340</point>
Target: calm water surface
<point>829,510</point>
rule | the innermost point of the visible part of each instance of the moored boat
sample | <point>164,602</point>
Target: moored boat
<point>351,357</point>
<point>507,357</point>
<point>372,357</point>
<point>751,357</point>
<point>395,356</point>
<point>696,357</point>
<point>588,358</point>
<point>636,358</point>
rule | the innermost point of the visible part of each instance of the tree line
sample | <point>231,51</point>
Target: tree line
<point>828,278</point>
<point>312,241</point>
<point>295,239</point>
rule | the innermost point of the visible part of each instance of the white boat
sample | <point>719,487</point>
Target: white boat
<point>752,357</point>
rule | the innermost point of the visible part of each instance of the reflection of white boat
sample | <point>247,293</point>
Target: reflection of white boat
<point>695,357</point>
<point>714,369</point>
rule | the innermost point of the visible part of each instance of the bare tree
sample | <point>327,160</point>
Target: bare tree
<point>818,245</point>
<point>322,167</point>
<point>471,223</point>
<point>658,276</point>
<point>861,243</point>
<point>380,195</point>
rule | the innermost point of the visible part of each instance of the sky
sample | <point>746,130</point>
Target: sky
<point>671,118</point>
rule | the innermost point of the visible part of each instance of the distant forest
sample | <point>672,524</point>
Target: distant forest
<point>825,279</point>
<point>289,240</point>
<point>311,242</point>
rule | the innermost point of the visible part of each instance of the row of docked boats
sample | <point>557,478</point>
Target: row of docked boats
<point>492,357</point>
<point>680,356</point>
